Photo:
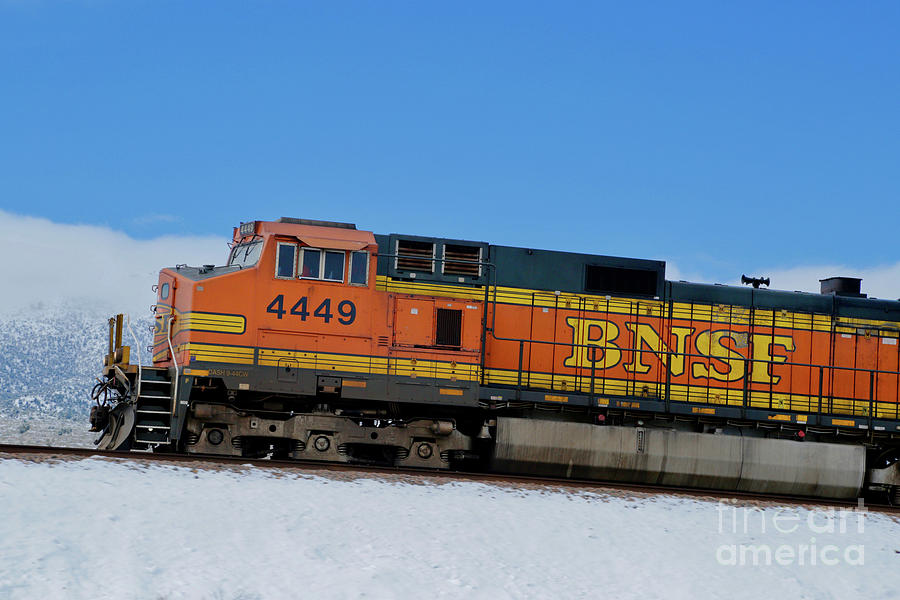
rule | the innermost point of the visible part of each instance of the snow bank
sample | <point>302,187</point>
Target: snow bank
<point>103,529</point>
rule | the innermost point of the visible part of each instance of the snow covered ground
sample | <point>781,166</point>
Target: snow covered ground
<point>101,528</point>
<point>46,430</point>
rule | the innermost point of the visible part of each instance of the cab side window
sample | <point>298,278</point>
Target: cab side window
<point>359,268</point>
<point>331,265</point>
<point>311,260</point>
<point>286,265</point>
<point>334,266</point>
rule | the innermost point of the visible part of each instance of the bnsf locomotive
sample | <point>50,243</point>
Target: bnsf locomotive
<point>320,341</point>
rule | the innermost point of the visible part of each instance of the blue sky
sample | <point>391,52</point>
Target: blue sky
<point>726,139</point>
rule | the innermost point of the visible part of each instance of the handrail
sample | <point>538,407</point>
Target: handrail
<point>137,346</point>
<point>748,363</point>
<point>688,354</point>
<point>174,362</point>
<point>491,303</point>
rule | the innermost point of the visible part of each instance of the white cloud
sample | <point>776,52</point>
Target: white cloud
<point>674,273</point>
<point>46,263</point>
<point>881,281</point>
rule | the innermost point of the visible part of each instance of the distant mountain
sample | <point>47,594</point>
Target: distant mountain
<point>50,358</point>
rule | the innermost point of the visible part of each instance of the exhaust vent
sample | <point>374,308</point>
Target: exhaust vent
<point>462,260</point>
<point>842,286</point>
<point>415,256</point>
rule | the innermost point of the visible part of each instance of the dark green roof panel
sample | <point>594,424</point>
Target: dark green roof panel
<point>566,271</point>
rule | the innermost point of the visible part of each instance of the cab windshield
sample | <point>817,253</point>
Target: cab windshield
<point>245,255</point>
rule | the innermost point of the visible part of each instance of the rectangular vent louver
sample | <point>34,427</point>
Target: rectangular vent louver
<point>462,260</point>
<point>415,256</point>
<point>449,327</point>
<point>619,280</point>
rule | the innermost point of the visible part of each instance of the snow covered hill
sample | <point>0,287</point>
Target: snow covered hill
<point>121,529</point>
<point>50,357</point>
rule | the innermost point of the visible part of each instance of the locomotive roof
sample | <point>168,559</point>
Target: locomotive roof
<point>553,270</point>
<point>319,234</point>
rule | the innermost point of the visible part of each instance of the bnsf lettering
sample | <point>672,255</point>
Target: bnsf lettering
<point>597,344</point>
<point>346,310</point>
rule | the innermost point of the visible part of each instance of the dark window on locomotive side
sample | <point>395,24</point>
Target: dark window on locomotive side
<point>334,266</point>
<point>449,327</point>
<point>619,280</point>
<point>359,267</point>
<point>311,260</point>
<point>287,260</point>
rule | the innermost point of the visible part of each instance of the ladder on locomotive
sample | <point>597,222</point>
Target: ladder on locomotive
<point>153,409</point>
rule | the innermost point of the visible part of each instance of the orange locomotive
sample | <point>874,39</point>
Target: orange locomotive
<point>320,341</point>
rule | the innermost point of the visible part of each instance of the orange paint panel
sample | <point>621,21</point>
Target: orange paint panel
<point>888,383</point>
<point>866,358</point>
<point>844,357</point>
<point>413,322</point>
<point>542,321</point>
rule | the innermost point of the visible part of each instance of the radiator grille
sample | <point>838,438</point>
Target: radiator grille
<point>449,327</point>
<point>415,256</point>
<point>462,260</point>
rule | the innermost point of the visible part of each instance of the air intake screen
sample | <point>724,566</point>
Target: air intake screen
<point>415,256</point>
<point>449,327</point>
<point>619,280</point>
<point>462,260</point>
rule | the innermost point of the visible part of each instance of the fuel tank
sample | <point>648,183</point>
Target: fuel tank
<point>722,461</point>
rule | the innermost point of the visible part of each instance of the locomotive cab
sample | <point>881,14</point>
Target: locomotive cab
<point>201,308</point>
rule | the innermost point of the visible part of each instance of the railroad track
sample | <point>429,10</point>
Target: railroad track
<point>479,477</point>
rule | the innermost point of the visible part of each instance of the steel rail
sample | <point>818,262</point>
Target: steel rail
<point>449,475</point>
